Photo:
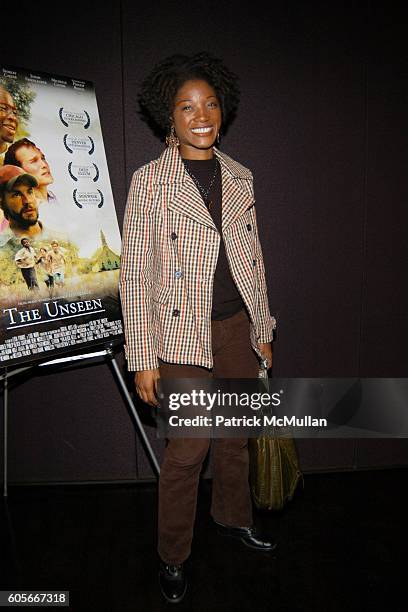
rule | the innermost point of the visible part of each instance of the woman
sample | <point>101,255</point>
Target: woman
<point>193,290</point>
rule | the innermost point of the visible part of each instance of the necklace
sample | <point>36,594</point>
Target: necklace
<point>205,192</point>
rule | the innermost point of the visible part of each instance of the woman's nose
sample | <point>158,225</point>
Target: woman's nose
<point>202,113</point>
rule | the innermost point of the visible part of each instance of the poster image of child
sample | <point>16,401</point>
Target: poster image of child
<point>44,265</point>
<point>25,260</point>
<point>57,263</point>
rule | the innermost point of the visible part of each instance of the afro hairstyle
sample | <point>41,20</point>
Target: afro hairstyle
<point>159,88</point>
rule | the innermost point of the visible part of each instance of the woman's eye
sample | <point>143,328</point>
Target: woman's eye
<point>213,104</point>
<point>187,107</point>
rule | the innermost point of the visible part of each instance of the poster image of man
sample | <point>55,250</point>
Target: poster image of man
<point>25,260</point>
<point>25,154</point>
<point>18,201</point>
<point>8,128</point>
<point>20,207</point>
<point>8,121</point>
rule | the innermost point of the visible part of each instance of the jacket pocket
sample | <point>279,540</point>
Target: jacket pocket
<point>161,293</point>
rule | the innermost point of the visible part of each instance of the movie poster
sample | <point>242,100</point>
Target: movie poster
<point>59,235</point>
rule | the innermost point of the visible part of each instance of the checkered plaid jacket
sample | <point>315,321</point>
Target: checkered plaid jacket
<point>169,255</point>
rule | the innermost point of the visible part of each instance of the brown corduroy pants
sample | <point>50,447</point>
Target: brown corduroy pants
<point>183,458</point>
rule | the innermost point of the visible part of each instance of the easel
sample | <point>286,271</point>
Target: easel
<point>108,355</point>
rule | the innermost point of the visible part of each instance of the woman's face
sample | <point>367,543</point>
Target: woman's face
<point>197,119</point>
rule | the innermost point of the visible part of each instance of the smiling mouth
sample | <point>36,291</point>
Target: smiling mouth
<point>202,130</point>
<point>10,128</point>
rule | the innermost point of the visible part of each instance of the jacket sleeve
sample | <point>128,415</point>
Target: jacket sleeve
<point>268,323</point>
<point>136,275</point>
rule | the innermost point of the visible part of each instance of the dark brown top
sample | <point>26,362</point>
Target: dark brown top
<point>227,300</point>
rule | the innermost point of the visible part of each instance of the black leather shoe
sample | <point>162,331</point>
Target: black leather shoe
<point>173,583</point>
<point>248,536</point>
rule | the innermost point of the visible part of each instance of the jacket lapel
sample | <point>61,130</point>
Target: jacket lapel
<point>183,197</point>
<point>237,190</point>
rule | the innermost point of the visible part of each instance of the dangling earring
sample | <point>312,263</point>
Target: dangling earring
<point>172,139</point>
<point>218,138</point>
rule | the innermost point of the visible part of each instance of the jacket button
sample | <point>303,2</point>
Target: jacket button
<point>249,227</point>
<point>178,274</point>
<point>176,312</point>
<point>173,235</point>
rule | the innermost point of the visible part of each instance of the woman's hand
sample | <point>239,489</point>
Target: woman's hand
<point>146,385</point>
<point>266,351</point>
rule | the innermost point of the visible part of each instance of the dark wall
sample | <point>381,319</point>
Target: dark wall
<point>321,124</point>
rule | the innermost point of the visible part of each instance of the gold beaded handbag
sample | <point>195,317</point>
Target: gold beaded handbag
<point>274,469</point>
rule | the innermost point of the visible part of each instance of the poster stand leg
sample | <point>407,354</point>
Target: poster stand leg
<point>110,358</point>
<point>5,425</point>
<point>122,384</point>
